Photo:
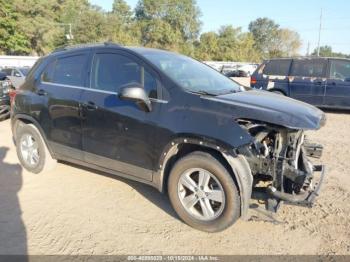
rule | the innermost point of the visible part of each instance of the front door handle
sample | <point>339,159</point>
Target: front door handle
<point>91,106</point>
<point>318,83</point>
<point>41,92</point>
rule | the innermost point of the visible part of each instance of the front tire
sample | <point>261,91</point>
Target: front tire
<point>32,151</point>
<point>203,193</point>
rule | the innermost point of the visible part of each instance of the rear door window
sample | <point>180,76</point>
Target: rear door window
<point>69,70</point>
<point>340,69</point>
<point>309,68</point>
<point>277,67</point>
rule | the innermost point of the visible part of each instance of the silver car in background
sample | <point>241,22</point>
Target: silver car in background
<point>16,75</point>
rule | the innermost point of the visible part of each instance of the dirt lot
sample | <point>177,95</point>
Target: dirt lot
<point>76,211</point>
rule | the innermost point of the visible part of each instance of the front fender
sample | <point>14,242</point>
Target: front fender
<point>244,178</point>
<point>238,163</point>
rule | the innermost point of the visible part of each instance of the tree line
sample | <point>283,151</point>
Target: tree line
<point>36,27</point>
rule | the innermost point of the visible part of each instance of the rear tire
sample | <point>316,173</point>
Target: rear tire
<point>32,151</point>
<point>195,203</point>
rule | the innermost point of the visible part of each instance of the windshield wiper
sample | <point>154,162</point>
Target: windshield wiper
<point>202,92</point>
<point>229,91</point>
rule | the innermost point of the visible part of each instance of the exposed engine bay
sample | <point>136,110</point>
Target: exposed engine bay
<point>279,162</point>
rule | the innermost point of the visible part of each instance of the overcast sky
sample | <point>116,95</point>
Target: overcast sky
<point>300,15</point>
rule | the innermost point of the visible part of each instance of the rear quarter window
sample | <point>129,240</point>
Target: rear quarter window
<point>35,67</point>
<point>277,67</point>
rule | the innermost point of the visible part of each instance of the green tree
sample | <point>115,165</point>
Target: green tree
<point>125,34</point>
<point>39,26</point>
<point>264,31</point>
<point>37,20</point>
<point>229,44</point>
<point>12,40</point>
<point>69,13</point>
<point>90,27</point>
<point>207,48</point>
<point>170,24</point>
<point>122,10</point>
<point>121,25</point>
<point>327,51</point>
<point>286,43</point>
<point>245,49</point>
<point>273,41</point>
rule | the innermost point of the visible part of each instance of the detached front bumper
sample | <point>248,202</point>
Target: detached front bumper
<point>306,198</point>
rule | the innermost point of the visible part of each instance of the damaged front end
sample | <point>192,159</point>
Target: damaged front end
<point>279,162</point>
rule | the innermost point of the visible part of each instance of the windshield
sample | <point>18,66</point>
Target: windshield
<point>24,71</point>
<point>192,75</point>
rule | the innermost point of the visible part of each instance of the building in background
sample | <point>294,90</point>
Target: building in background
<point>17,61</point>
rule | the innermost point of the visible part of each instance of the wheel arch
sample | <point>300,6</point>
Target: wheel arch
<point>236,165</point>
<point>26,119</point>
<point>278,90</point>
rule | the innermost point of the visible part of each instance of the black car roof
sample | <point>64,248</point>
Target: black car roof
<point>85,46</point>
<point>139,50</point>
<point>146,50</point>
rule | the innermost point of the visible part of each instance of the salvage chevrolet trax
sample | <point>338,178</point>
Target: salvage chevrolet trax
<point>171,122</point>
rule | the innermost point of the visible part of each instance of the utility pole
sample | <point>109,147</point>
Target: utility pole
<point>308,49</point>
<point>319,35</point>
<point>68,36</point>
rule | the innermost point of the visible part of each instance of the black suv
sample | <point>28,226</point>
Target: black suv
<point>171,122</point>
<point>322,82</point>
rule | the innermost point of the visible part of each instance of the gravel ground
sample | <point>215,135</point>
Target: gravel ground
<point>78,211</point>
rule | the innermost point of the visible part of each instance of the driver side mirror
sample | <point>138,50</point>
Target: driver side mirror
<point>138,95</point>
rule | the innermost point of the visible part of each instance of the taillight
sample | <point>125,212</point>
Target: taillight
<point>252,80</point>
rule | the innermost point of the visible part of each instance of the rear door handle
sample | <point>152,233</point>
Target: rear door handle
<point>41,92</point>
<point>318,82</point>
<point>91,106</point>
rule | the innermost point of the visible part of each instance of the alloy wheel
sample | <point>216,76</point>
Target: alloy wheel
<point>29,150</point>
<point>201,194</point>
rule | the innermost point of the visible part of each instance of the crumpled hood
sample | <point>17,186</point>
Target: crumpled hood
<point>273,108</point>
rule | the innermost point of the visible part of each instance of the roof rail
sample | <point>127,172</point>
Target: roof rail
<point>70,47</point>
<point>110,43</point>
